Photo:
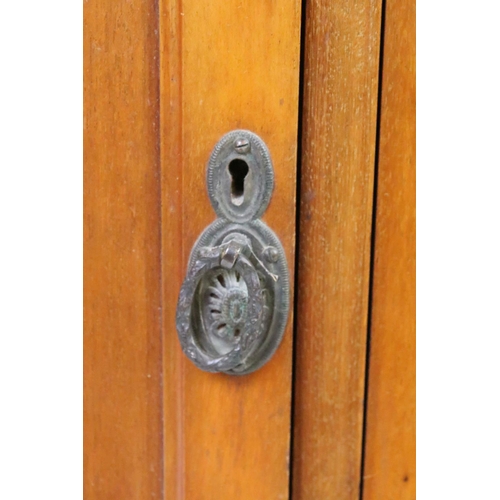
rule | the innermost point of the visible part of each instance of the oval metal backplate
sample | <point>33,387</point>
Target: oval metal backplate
<point>233,305</point>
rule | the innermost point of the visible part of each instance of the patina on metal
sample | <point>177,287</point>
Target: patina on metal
<point>234,302</point>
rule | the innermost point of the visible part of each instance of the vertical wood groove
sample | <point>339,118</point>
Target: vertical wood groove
<point>372,249</point>
<point>340,110</point>
<point>173,261</point>
<point>300,114</point>
<point>389,462</point>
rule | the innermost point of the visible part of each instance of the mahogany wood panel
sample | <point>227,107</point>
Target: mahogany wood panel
<point>225,64</point>
<point>389,470</point>
<point>122,340</point>
<point>341,67</point>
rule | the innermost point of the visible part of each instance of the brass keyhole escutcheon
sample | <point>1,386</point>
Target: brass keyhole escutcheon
<point>234,302</point>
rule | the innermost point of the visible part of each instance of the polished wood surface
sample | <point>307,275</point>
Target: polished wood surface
<point>389,470</point>
<point>122,341</point>
<point>338,140</point>
<point>163,82</point>
<point>224,65</point>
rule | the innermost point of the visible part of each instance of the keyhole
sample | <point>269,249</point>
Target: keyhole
<point>238,170</point>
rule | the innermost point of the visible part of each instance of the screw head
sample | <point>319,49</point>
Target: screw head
<point>242,146</point>
<point>271,254</point>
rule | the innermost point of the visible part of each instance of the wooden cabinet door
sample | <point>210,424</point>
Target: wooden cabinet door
<point>224,66</point>
<point>354,380</point>
<point>163,82</point>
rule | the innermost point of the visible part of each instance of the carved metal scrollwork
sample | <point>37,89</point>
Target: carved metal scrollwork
<point>234,302</point>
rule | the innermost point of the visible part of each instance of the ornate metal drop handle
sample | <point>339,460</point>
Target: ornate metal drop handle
<point>233,304</point>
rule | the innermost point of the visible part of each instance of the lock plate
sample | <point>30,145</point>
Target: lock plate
<point>240,177</point>
<point>233,305</point>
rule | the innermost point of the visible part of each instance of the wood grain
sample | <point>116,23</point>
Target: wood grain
<point>389,470</point>
<point>225,64</point>
<point>122,341</point>
<point>342,43</point>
